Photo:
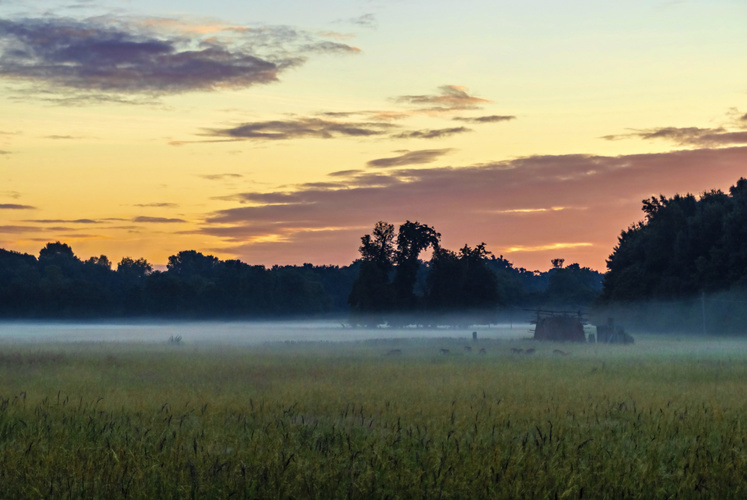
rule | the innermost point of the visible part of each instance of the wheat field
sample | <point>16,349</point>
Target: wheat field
<point>405,418</point>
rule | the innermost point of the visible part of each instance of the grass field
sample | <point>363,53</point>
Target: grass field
<point>662,418</point>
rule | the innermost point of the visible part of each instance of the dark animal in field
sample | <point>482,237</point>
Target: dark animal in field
<point>516,350</point>
<point>468,348</point>
<point>558,351</point>
<point>444,351</point>
<point>530,351</point>
<point>394,352</point>
<point>483,351</point>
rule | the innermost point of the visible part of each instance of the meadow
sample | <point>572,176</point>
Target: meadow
<point>395,418</point>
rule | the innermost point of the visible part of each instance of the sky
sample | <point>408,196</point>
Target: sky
<point>280,132</point>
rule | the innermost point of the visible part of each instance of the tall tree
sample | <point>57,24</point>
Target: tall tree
<point>372,295</point>
<point>413,238</point>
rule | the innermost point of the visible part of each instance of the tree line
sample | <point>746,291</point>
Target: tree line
<point>387,283</point>
<point>685,264</point>
<point>60,285</point>
<point>470,285</point>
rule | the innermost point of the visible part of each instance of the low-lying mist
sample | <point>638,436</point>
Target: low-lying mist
<point>722,313</point>
<point>240,332</point>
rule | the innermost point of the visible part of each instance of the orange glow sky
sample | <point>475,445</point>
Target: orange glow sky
<point>281,133</point>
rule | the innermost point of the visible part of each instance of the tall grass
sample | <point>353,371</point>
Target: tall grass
<point>652,420</point>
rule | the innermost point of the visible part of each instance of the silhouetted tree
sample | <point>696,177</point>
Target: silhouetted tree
<point>686,245</point>
<point>481,285</point>
<point>372,293</point>
<point>413,238</point>
<point>462,283</point>
<point>131,268</point>
<point>19,285</point>
<point>572,286</point>
<point>190,263</point>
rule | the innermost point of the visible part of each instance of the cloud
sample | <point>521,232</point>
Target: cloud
<point>475,203</point>
<point>156,205</point>
<point>451,97</point>
<point>359,124</point>
<point>364,21</point>
<point>687,136</point>
<point>64,221</point>
<point>485,119</point>
<point>17,229</point>
<point>410,158</point>
<point>15,206</point>
<point>543,248</point>
<point>344,173</point>
<point>217,177</point>
<point>300,128</point>
<point>328,47</point>
<point>336,35</point>
<point>431,134</point>
<point>158,220</point>
<point>111,57</point>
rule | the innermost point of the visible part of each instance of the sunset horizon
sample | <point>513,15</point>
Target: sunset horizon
<point>280,134</point>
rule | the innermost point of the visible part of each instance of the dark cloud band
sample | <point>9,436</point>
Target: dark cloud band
<point>15,206</point>
<point>124,56</point>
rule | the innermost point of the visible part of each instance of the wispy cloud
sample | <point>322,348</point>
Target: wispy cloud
<point>157,220</point>
<point>61,137</point>
<point>336,36</point>
<point>111,57</point>
<point>431,133</point>
<point>345,173</point>
<point>450,98</point>
<point>299,128</point>
<point>156,205</point>
<point>15,206</point>
<point>485,119</point>
<point>218,177</point>
<point>687,136</point>
<point>63,221</point>
<point>410,158</point>
<point>359,123</point>
<point>365,21</point>
<point>18,229</point>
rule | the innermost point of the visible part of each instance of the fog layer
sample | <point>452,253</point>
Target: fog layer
<point>236,333</point>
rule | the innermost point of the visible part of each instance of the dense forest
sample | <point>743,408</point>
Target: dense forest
<point>685,265</point>
<point>58,284</point>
